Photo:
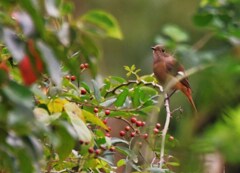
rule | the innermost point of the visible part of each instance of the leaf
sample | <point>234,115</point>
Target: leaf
<point>203,19</point>
<point>76,119</point>
<point>125,151</point>
<point>173,164</point>
<point>146,93</point>
<point>66,136</point>
<point>18,94</point>
<point>14,45</point>
<point>136,97</point>
<point>118,79</point>
<point>115,140</point>
<point>43,116</point>
<point>56,105</point>
<point>97,92</point>
<point>63,34</point>
<point>51,8</point>
<point>50,59</point>
<point>175,33</point>
<point>104,21</point>
<point>127,68</point>
<point>121,98</point>
<point>93,119</point>
<point>108,102</point>
<point>121,162</point>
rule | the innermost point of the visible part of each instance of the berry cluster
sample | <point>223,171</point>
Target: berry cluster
<point>84,66</point>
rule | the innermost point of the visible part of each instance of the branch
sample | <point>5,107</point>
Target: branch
<point>164,131</point>
<point>138,82</point>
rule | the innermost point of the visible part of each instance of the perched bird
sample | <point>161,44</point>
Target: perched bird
<point>166,68</point>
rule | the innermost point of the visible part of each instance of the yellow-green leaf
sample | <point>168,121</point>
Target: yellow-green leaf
<point>56,105</point>
<point>76,118</point>
<point>93,119</point>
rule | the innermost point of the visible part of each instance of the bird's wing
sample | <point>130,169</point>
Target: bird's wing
<point>174,68</point>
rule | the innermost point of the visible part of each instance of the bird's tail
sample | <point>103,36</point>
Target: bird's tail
<point>189,96</point>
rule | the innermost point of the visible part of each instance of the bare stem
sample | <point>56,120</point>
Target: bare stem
<point>165,129</point>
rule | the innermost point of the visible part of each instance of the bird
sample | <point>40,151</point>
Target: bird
<point>167,68</point>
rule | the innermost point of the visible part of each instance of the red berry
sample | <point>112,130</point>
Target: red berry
<point>105,121</point>
<point>91,150</point>
<point>133,120</point>
<point>82,66</point>
<point>145,136</point>
<point>98,151</point>
<point>108,135</point>
<point>171,138</point>
<point>107,112</point>
<point>155,130</point>
<point>112,148</point>
<point>85,65</point>
<point>158,125</point>
<point>81,142</point>
<point>73,78</point>
<point>139,123</point>
<point>127,128</point>
<point>132,134</point>
<point>95,110</point>
<point>83,91</point>
<point>122,133</point>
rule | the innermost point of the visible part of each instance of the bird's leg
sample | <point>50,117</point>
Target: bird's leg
<point>170,95</point>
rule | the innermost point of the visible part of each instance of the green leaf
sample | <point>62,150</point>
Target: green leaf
<point>85,86</point>
<point>175,33</point>
<point>173,164</point>
<point>18,94</point>
<point>121,98</point>
<point>66,139</point>
<point>117,79</point>
<point>93,119</point>
<point>127,68</point>
<point>136,97</point>
<point>97,92</point>
<point>76,119</point>
<point>203,19</point>
<point>104,21</point>
<point>146,93</point>
<point>121,162</point>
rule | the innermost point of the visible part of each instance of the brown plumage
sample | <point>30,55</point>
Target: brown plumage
<point>166,68</point>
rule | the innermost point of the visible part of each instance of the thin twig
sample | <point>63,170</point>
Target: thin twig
<point>164,131</point>
<point>200,43</point>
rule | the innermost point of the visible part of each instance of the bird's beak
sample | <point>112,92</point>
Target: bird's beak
<point>153,48</point>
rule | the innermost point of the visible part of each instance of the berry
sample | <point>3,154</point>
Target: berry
<point>81,142</point>
<point>133,120</point>
<point>73,78</point>
<point>83,91</point>
<point>107,135</point>
<point>139,123</point>
<point>107,112</point>
<point>91,150</point>
<point>145,136</point>
<point>171,138</point>
<point>82,66</point>
<point>127,128</point>
<point>95,110</point>
<point>155,130</point>
<point>112,148</point>
<point>85,65</point>
<point>158,125</point>
<point>98,151</point>
<point>133,134</point>
<point>122,133</point>
<point>105,121</point>
<point>68,77</point>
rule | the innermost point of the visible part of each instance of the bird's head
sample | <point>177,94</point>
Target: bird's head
<point>159,52</point>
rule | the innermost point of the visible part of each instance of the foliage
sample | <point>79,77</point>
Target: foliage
<point>56,116</point>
